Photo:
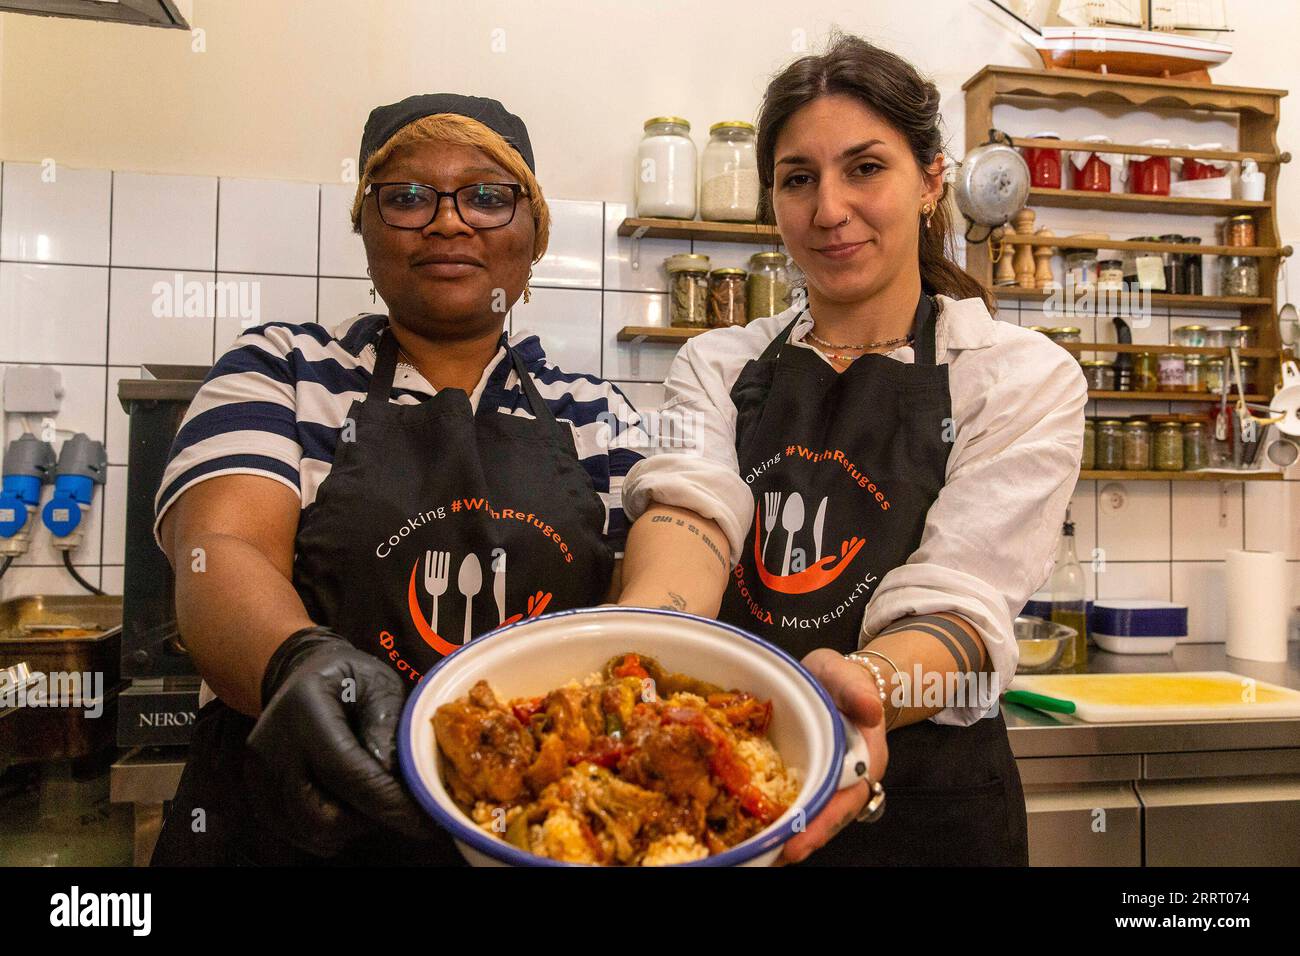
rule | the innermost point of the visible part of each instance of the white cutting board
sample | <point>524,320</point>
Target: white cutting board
<point>1193,695</point>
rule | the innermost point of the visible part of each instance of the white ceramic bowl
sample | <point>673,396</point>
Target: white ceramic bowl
<point>539,654</point>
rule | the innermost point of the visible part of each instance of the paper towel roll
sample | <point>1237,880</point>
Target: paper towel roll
<point>1259,592</point>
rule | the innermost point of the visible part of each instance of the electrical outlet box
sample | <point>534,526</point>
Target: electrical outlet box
<point>33,389</point>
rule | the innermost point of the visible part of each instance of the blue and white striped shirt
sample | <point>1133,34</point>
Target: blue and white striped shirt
<point>274,405</point>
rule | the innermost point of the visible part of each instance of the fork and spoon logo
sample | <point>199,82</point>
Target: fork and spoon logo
<point>469,582</point>
<point>792,518</point>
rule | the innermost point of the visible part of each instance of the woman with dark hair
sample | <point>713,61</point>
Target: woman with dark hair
<point>912,457</point>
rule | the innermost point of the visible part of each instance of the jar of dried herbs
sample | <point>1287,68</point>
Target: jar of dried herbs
<point>688,290</point>
<point>1137,446</point>
<point>726,298</point>
<point>1109,455</point>
<point>1196,446</point>
<point>1089,457</point>
<point>1169,447</point>
<point>767,290</point>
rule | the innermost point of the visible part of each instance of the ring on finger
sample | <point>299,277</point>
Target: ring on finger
<point>875,808</point>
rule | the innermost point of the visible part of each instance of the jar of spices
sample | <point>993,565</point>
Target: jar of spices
<point>1146,372</point>
<point>1109,455</point>
<point>1190,335</point>
<point>1193,277</point>
<point>1169,447</point>
<point>726,298</point>
<point>729,187</point>
<point>1220,338</point>
<point>1175,267</point>
<point>1172,369</point>
<point>1149,175</point>
<point>1100,375</point>
<point>665,169</point>
<point>767,290</point>
<point>1248,377</point>
<point>1137,446</point>
<point>1194,374</point>
<point>1196,446</point>
<point>1110,275</point>
<point>688,290</point>
<point>1238,276</point>
<point>1240,231</point>
<point>1044,163</point>
<point>1241,336</point>
<point>1066,333</point>
<point>1089,457</point>
<point>1214,376</point>
<point>1080,271</point>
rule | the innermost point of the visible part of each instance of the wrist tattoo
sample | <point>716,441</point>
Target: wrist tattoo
<point>948,633</point>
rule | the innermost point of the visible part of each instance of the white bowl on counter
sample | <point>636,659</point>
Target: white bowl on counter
<point>539,654</point>
<point>1135,626</point>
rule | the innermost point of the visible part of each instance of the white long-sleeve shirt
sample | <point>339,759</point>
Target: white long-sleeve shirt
<point>989,538</point>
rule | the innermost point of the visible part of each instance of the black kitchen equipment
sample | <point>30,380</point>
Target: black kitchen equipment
<point>1123,360</point>
<point>159,707</point>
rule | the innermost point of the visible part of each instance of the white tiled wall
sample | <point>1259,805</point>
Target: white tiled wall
<point>80,256</point>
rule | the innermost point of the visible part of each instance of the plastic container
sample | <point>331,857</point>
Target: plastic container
<point>665,170</point>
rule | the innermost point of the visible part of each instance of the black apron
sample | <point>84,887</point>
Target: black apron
<point>848,464</point>
<point>421,499</point>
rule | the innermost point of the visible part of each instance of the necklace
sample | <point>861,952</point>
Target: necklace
<point>867,345</point>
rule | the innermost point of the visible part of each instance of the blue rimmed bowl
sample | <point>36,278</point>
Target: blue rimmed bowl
<point>537,655</point>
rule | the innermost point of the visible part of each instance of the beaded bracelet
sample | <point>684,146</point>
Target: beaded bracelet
<point>860,657</point>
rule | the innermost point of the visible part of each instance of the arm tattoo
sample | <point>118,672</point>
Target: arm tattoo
<point>708,543</point>
<point>947,633</point>
<point>679,602</point>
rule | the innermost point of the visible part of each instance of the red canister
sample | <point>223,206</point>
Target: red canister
<point>1094,174</point>
<point>1194,169</point>
<point>1044,163</point>
<point>1150,176</point>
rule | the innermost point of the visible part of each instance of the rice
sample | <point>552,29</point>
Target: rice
<point>770,775</point>
<point>679,847</point>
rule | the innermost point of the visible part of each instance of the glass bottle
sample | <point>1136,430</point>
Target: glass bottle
<point>1070,598</point>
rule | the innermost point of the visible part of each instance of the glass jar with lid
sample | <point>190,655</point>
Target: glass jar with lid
<point>1196,446</point>
<point>729,187</point>
<point>688,290</point>
<point>1110,275</point>
<point>1190,335</point>
<point>1241,336</point>
<point>1088,459</point>
<point>1065,333</point>
<point>1249,382</point>
<point>1238,276</point>
<point>1240,231</point>
<point>1137,446</point>
<point>1175,266</point>
<point>1080,271</point>
<point>767,290</point>
<point>726,298</point>
<point>1194,374</point>
<point>1214,375</point>
<point>665,170</point>
<point>1146,372</point>
<point>1172,369</point>
<point>1169,447</point>
<point>1109,455</point>
<point>1099,374</point>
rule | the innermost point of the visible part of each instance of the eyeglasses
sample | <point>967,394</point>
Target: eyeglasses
<point>415,205</point>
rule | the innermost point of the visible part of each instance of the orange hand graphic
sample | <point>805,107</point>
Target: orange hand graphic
<point>536,605</point>
<point>811,578</point>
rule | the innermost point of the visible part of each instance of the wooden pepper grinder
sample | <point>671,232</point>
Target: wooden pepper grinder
<point>1002,253</point>
<point>1043,256</point>
<point>1023,222</point>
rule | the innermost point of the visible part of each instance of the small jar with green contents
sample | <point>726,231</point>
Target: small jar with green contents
<point>1196,446</point>
<point>1137,446</point>
<point>1109,455</point>
<point>1088,461</point>
<point>767,289</point>
<point>1169,447</point>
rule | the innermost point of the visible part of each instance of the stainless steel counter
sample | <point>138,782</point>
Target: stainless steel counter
<point>1036,734</point>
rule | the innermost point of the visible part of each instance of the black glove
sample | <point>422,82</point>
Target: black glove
<point>322,755</point>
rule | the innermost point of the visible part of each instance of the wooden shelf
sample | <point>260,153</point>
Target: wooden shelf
<point>657,333</point>
<point>1131,150</point>
<point>1157,298</point>
<point>698,229</point>
<point>1180,476</point>
<point>1158,347</point>
<point>1133,202</point>
<point>1070,242</point>
<point>1170,396</point>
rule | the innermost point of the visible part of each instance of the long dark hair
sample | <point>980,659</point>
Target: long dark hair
<point>893,88</point>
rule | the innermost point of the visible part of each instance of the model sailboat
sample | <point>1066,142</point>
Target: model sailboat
<point>1166,38</point>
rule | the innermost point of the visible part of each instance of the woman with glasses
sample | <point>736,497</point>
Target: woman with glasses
<point>344,507</point>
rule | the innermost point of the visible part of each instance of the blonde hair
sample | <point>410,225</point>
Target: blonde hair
<point>457,130</point>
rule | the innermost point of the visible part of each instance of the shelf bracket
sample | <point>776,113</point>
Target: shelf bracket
<point>637,233</point>
<point>634,356</point>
